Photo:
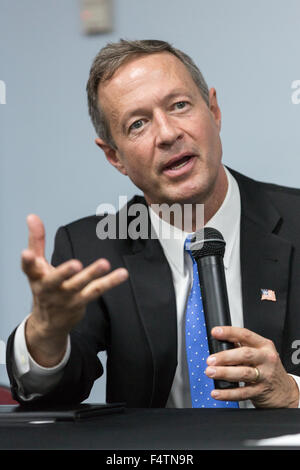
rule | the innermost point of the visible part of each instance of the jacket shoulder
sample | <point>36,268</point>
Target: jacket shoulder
<point>287,201</point>
<point>83,223</point>
<point>284,199</point>
<point>97,235</point>
<point>275,191</point>
<point>90,222</point>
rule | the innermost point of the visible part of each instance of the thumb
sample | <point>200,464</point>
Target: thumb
<point>36,237</point>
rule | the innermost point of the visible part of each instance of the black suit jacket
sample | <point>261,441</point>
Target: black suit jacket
<point>136,322</point>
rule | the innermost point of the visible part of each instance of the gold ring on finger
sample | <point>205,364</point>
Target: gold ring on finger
<point>257,375</point>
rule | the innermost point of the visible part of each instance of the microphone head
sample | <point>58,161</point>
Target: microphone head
<point>207,242</point>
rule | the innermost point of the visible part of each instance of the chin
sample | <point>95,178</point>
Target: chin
<point>182,198</point>
<point>191,194</point>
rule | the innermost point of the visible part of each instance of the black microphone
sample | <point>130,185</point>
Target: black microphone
<point>208,247</point>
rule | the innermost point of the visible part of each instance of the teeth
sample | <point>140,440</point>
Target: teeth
<point>179,166</point>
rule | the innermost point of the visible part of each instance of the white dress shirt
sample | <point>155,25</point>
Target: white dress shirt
<point>35,380</point>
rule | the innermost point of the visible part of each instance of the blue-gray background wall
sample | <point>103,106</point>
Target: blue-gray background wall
<point>249,51</point>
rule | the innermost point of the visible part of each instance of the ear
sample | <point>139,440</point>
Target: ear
<point>112,155</point>
<point>214,107</point>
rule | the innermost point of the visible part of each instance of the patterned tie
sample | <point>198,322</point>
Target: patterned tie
<point>197,347</point>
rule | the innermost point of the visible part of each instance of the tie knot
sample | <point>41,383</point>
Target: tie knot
<point>187,244</point>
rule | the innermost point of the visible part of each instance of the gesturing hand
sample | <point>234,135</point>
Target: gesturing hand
<point>60,294</point>
<point>255,362</point>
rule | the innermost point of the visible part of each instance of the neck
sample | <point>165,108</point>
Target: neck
<point>217,196</point>
<point>193,216</point>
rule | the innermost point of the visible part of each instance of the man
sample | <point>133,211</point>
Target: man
<point>158,123</point>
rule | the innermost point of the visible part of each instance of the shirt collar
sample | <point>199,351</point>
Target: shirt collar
<point>226,220</point>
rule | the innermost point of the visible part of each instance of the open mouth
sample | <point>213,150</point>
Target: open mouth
<point>180,163</point>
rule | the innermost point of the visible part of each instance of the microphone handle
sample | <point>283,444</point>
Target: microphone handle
<point>215,305</point>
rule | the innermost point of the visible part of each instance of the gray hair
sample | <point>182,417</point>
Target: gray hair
<point>111,57</point>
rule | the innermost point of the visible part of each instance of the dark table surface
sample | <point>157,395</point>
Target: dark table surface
<point>143,429</point>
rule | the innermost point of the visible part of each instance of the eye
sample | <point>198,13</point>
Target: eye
<point>181,104</point>
<point>136,125</point>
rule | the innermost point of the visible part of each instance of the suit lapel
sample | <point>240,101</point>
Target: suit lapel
<point>265,262</point>
<point>153,290</point>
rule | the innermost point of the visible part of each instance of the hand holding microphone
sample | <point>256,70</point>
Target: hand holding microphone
<point>256,362</point>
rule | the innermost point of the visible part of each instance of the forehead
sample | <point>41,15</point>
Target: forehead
<point>142,78</point>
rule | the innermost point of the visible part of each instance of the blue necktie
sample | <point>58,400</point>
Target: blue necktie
<point>197,348</point>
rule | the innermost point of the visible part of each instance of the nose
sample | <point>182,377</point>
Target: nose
<point>167,131</point>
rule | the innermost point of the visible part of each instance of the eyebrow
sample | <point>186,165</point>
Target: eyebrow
<point>141,110</point>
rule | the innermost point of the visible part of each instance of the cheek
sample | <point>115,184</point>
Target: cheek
<point>203,127</point>
<point>139,158</point>
<point>208,139</point>
<point>203,132</point>
<point>137,168</point>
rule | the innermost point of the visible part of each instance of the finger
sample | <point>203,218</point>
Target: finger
<point>232,374</point>
<point>64,271</point>
<point>97,287</point>
<point>236,356</point>
<point>82,279</point>
<point>36,237</point>
<point>235,334</point>
<point>30,265</point>
<point>237,394</point>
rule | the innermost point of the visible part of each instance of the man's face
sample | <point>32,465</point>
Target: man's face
<point>167,138</point>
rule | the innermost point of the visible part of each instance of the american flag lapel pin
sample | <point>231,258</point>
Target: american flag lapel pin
<point>268,294</point>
